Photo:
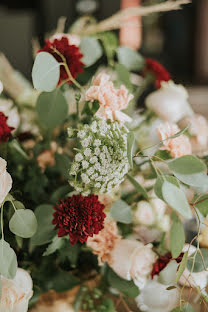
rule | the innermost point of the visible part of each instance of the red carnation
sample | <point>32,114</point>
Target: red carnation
<point>158,70</point>
<point>162,262</point>
<point>79,217</point>
<point>5,130</point>
<point>71,53</point>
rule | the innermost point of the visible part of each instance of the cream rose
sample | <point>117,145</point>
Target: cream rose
<point>144,213</point>
<point>170,102</point>
<point>131,259</point>
<point>16,293</point>
<point>5,180</point>
<point>155,297</point>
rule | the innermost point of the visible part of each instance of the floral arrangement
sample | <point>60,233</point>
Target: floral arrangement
<point>99,200</point>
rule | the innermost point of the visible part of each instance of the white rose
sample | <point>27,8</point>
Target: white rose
<point>16,293</point>
<point>5,181</point>
<point>199,279</point>
<point>144,213</point>
<point>159,206</point>
<point>170,102</point>
<point>130,259</point>
<point>7,107</point>
<point>155,297</point>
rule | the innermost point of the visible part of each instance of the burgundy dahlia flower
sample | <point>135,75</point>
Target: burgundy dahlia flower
<point>5,130</point>
<point>158,70</point>
<point>71,53</point>
<point>79,217</point>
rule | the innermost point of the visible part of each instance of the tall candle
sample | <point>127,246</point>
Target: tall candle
<point>131,31</point>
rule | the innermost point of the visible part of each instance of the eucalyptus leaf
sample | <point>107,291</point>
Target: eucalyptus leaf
<point>121,212</point>
<point>190,170</point>
<point>168,275</point>
<point>202,205</point>
<point>52,108</point>
<point>91,50</point>
<point>197,263</point>
<point>184,308</point>
<point>177,236</point>
<point>8,260</point>
<point>55,245</point>
<point>45,231</point>
<point>130,58</point>
<point>138,186</point>
<point>182,266</point>
<point>130,147</point>
<point>23,223</point>
<point>159,183</point>
<point>176,199</point>
<point>110,43</point>
<point>123,75</point>
<point>60,193</point>
<point>45,72</point>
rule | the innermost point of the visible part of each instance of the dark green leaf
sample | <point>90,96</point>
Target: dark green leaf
<point>62,281</point>
<point>63,163</point>
<point>110,44</point>
<point>60,193</point>
<point>69,252</point>
<point>55,245</point>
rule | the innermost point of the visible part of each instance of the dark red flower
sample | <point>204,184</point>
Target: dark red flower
<point>162,262</point>
<point>79,217</point>
<point>158,70</point>
<point>71,53</point>
<point>5,130</point>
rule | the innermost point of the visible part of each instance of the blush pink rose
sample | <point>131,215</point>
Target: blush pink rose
<point>111,100</point>
<point>178,146</point>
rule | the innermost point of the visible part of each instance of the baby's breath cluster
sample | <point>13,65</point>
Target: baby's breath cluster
<point>101,162</point>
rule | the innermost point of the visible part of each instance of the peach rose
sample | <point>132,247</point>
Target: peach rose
<point>198,129</point>
<point>103,243</point>
<point>178,146</point>
<point>111,100</point>
<point>130,259</point>
<point>5,180</point>
<point>16,293</point>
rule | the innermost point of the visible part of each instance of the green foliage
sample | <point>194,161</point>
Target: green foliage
<point>128,288</point>
<point>8,260</point>
<point>190,170</point>
<point>202,205</point>
<point>121,212</point>
<point>23,223</point>
<point>69,252</point>
<point>138,186</point>
<point>52,109</point>
<point>130,58</point>
<point>55,245</point>
<point>130,147</point>
<point>62,281</point>
<point>182,266</point>
<point>45,72</point>
<point>168,275</point>
<point>91,50</point>
<point>198,261</point>
<point>184,308</point>
<point>110,44</point>
<point>159,183</point>
<point>177,236</point>
<point>176,199</point>
<point>63,163</point>
<point>45,231</point>
<point>60,193</point>
<point>123,76</point>
<point>90,108</point>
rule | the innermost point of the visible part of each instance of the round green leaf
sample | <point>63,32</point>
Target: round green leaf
<point>121,212</point>
<point>52,108</point>
<point>23,223</point>
<point>45,72</point>
<point>45,231</point>
<point>190,170</point>
<point>176,199</point>
<point>91,50</point>
<point>199,263</point>
<point>168,275</point>
<point>8,260</point>
<point>130,58</point>
<point>159,183</point>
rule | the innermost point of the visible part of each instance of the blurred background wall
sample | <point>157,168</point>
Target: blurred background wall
<point>178,39</point>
